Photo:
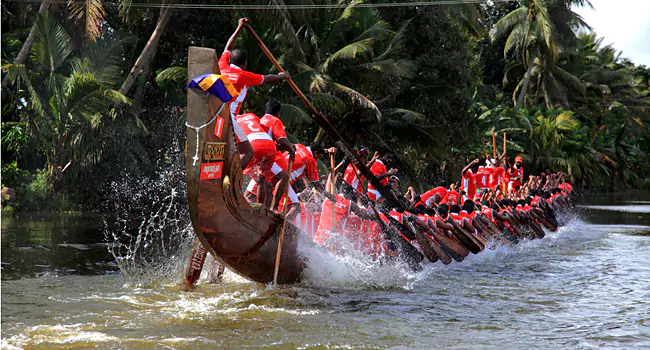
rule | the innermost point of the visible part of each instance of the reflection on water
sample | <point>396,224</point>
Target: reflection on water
<point>585,286</point>
<point>35,243</point>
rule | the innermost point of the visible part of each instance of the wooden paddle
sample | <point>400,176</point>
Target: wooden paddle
<point>460,234</point>
<point>331,189</point>
<point>412,255</point>
<point>195,265</point>
<point>278,253</point>
<point>494,144</point>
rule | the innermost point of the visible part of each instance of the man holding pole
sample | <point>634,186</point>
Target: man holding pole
<point>233,65</point>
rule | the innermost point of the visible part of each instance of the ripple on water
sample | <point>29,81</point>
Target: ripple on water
<point>581,287</point>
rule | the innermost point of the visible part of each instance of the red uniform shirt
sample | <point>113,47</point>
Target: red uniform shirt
<point>353,231</point>
<point>515,176</point>
<point>373,241</point>
<point>484,177</point>
<point>377,168</point>
<point>350,176</point>
<point>304,164</point>
<point>451,198</point>
<point>263,145</point>
<point>488,212</point>
<point>305,221</point>
<point>240,80</point>
<point>469,184</point>
<point>273,127</point>
<point>500,176</point>
<point>427,197</point>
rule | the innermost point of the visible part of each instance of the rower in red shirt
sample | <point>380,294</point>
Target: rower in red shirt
<point>428,197</point>
<point>267,163</point>
<point>378,168</point>
<point>233,65</point>
<point>275,128</point>
<point>469,181</point>
<point>353,176</point>
<point>484,176</point>
<point>342,206</point>
<point>516,173</point>
<point>452,197</point>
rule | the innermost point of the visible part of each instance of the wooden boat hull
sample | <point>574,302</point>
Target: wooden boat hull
<point>242,237</point>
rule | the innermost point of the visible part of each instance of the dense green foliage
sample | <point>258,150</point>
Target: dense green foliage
<point>430,82</point>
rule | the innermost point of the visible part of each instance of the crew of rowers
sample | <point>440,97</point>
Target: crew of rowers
<point>491,202</point>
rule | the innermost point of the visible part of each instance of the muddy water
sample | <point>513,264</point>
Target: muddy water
<point>585,286</point>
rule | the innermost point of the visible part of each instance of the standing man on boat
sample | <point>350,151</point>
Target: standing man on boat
<point>516,173</point>
<point>469,181</point>
<point>233,65</point>
<point>380,171</point>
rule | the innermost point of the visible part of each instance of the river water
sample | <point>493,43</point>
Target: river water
<point>585,286</point>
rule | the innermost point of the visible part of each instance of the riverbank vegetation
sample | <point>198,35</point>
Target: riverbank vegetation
<point>92,92</point>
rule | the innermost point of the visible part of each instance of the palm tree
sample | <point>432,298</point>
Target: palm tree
<point>354,56</point>
<point>70,98</point>
<point>537,32</point>
<point>27,46</point>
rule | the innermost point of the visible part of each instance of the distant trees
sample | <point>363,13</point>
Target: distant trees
<point>431,82</point>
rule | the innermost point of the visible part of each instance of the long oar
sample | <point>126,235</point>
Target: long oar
<point>332,191</point>
<point>322,121</point>
<point>494,144</point>
<point>414,256</point>
<point>504,186</point>
<point>195,265</point>
<point>284,225</point>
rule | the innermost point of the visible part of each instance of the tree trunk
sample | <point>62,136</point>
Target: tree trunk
<point>27,45</point>
<point>143,63</point>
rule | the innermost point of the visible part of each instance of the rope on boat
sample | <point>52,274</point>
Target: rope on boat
<point>197,128</point>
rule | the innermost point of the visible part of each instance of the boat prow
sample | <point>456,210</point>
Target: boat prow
<point>243,237</point>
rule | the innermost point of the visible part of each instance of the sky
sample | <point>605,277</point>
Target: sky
<point>624,23</point>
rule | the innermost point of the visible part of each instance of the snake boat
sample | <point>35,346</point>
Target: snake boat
<point>243,237</point>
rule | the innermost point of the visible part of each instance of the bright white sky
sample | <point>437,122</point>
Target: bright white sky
<point>623,23</point>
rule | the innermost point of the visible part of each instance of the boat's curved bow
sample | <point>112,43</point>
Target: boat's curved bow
<point>243,237</point>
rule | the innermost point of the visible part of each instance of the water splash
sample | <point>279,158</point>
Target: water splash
<point>351,269</point>
<point>150,230</point>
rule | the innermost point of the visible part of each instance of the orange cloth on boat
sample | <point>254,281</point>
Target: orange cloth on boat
<point>326,226</point>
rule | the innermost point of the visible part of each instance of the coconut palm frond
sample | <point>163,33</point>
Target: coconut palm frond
<point>53,44</point>
<point>357,98</point>
<point>102,58</point>
<point>404,114</point>
<point>287,29</point>
<point>396,45</point>
<point>291,115</point>
<point>349,51</point>
<point>506,24</point>
<point>379,30</point>
<point>90,13</point>
<point>172,75</point>
<point>545,22</point>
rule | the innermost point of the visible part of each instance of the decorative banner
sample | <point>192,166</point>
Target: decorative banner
<point>211,171</point>
<point>218,128</point>
<point>214,151</point>
<point>216,85</point>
